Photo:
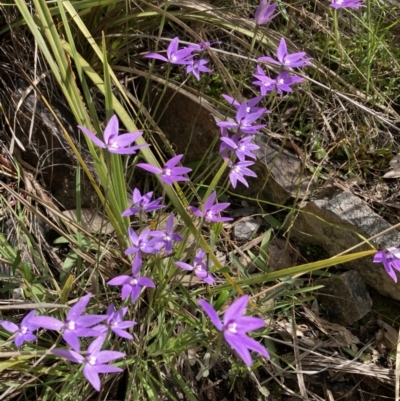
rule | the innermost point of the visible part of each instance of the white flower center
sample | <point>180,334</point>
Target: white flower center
<point>236,169</point>
<point>92,360</point>
<point>199,267</point>
<point>24,329</point>
<point>167,238</point>
<point>133,281</point>
<point>71,325</point>
<point>287,62</point>
<point>281,81</point>
<point>113,145</point>
<point>173,58</point>
<point>167,171</point>
<point>266,83</point>
<point>209,214</point>
<point>231,327</point>
<point>248,109</point>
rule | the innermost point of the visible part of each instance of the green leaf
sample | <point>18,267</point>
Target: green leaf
<point>223,296</point>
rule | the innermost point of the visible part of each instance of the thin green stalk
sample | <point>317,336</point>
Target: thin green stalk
<point>337,34</point>
<point>214,357</point>
<point>244,71</point>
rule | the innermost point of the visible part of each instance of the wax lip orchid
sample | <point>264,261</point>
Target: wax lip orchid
<point>199,267</point>
<point>75,325</point>
<point>265,83</point>
<point>145,242</point>
<point>94,362</point>
<point>132,285</point>
<point>168,236</point>
<point>202,46</point>
<point>251,104</point>
<point>210,211</point>
<point>244,120</point>
<point>115,322</point>
<point>195,66</point>
<point>239,170</point>
<point>390,258</point>
<point>113,142</point>
<point>143,203</point>
<point>241,147</point>
<point>174,56</point>
<point>347,4</point>
<point>170,173</point>
<point>285,59</point>
<point>265,12</point>
<point>235,327</point>
<point>282,82</point>
<point>23,332</point>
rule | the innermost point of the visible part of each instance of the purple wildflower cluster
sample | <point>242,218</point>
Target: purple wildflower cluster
<point>189,56</point>
<point>237,135</point>
<point>75,326</point>
<point>237,148</point>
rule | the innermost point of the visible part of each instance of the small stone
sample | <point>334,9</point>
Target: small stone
<point>245,229</point>
<point>281,254</point>
<point>346,298</point>
<point>339,223</point>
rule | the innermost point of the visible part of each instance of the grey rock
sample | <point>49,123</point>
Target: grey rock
<point>188,123</point>
<point>345,298</point>
<point>281,254</point>
<point>245,228</point>
<point>341,222</point>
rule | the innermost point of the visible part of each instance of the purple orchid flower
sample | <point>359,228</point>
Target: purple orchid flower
<point>238,171</point>
<point>23,332</point>
<point>224,149</point>
<point>285,59</point>
<point>132,285</point>
<point>391,260</point>
<point>244,120</point>
<point>281,83</point>
<point>142,243</point>
<point>195,66</point>
<point>199,47</point>
<point>174,56</point>
<point>113,142</point>
<point>347,4</point>
<point>210,211</point>
<point>116,323</point>
<point>265,83</point>
<point>142,203</point>
<point>265,12</point>
<point>235,328</point>
<point>242,147</point>
<point>169,173</point>
<point>284,80</point>
<point>168,236</point>
<point>94,362</point>
<point>75,324</point>
<point>199,267</point>
<point>250,104</point>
